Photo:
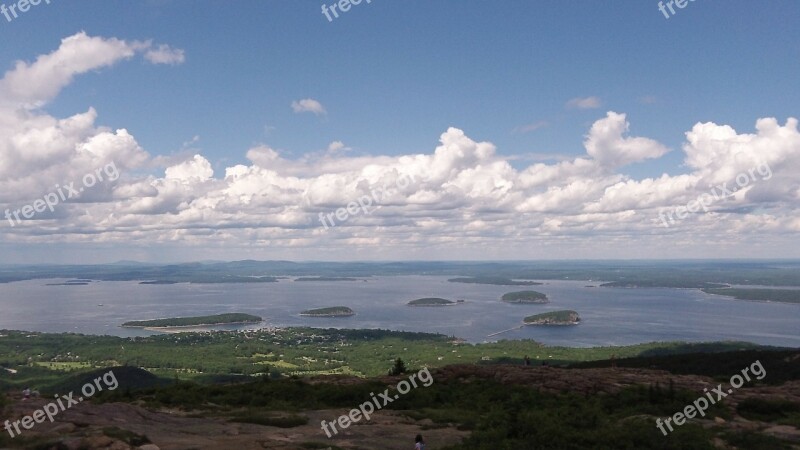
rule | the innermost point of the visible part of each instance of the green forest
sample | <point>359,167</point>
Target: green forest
<point>261,377</point>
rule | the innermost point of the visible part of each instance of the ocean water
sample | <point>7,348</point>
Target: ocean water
<point>610,316</point>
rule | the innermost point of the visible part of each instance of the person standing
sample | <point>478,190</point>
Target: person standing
<point>420,443</point>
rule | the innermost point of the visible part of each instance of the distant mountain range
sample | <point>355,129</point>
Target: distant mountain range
<point>689,274</point>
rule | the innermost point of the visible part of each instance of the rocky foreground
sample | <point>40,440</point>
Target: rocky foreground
<point>86,426</point>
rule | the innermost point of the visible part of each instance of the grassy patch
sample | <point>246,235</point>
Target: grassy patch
<point>279,364</point>
<point>65,366</point>
<point>343,370</point>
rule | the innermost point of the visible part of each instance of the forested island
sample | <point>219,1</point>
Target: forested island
<point>500,281</point>
<point>759,295</point>
<point>333,311</point>
<point>218,319</point>
<point>431,301</point>
<point>525,297</point>
<point>563,317</point>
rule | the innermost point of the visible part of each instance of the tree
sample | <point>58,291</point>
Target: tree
<point>399,367</point>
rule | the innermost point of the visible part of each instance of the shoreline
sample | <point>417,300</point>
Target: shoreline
<point>665,341</point>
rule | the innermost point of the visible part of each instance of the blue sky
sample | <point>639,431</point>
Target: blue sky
<point>393,76</point>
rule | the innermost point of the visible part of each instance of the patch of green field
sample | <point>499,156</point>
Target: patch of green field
<point>279,364</point>
<point>67,366</point>
<point>344,370</point>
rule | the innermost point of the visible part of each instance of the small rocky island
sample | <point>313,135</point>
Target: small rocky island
<point>432,301</point>
<point>197,321</point>
<point>333,311</point>
<point>525,297</point>
<point>563,317</point>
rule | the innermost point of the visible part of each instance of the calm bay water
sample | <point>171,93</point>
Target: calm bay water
<point>610,316</point>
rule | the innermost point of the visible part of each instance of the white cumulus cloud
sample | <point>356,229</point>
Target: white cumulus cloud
<point>308,105</point>
<point>456,198</point>
<point>584,103</point>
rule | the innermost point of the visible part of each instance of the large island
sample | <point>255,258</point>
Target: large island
<point>334,311</point>
<point>563,317</point>
<point>218,319</point>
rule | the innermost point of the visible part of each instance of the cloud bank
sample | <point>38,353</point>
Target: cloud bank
<point>466,201</point>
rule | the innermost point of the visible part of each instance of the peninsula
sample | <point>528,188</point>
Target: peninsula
<point>218,319</point>
<point>500,281</point>
<point>759,295</point>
